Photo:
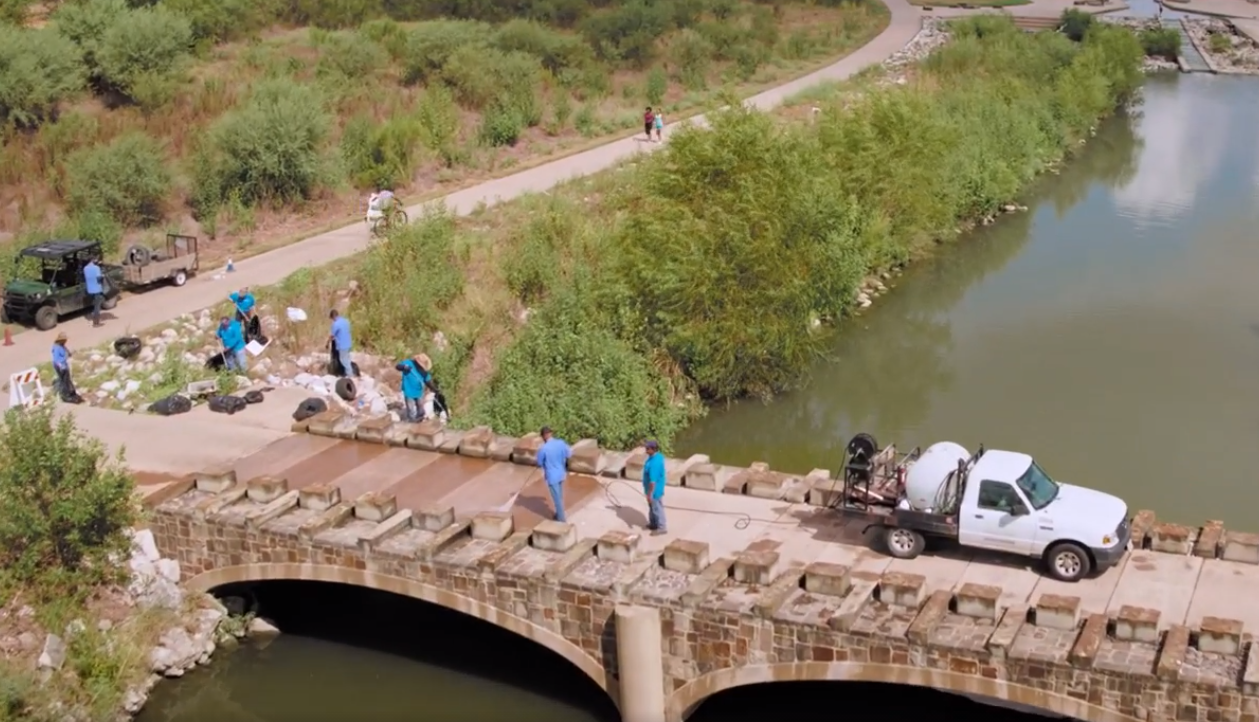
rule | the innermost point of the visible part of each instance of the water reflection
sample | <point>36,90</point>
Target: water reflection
<point>1114,336</point>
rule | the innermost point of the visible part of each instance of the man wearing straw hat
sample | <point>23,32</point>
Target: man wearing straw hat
<point>61,365</point>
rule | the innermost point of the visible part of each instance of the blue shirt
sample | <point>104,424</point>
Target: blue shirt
<point>92,278</point>
<point>553,458</point>
<point>341,333</point>
<point>413,379</point>
<point>59,356</point>
<point>244,303</point>
<point>653,476</point>
<point>232,336</point>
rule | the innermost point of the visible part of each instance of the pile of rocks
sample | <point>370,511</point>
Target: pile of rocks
<point>1237,53</point>
<point>378,386</point>
<point>934,33</point>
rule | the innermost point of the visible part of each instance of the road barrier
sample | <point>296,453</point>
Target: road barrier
<point>26,390</point>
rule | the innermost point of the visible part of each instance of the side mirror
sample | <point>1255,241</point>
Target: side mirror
<point>1019,510</point>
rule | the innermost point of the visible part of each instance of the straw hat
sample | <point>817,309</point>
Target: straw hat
<point>425,362</point>
<point>61,336</point>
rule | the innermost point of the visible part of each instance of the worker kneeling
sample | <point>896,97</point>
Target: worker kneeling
<point>420,395</point>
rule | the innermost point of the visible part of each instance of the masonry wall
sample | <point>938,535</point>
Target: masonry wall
<point>725,621</point>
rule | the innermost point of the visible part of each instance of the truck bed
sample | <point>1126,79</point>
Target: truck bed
<point>929,524</point>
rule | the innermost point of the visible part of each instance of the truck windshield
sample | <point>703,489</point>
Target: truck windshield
<point>1040,489</point>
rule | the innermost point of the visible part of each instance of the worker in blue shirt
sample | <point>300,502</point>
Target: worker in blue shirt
<point>553,458</point>
<point>653,488</point>
<point>414,379</point>
<point>233,339</point>
<point>339,341</point>
<point>243,300</point>
<point>93,284</point>
<point>61,366</point>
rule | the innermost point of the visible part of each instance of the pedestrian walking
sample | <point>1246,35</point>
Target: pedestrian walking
<point>649,123</point>
<point>413,384</point>
<point>339,341</point>
<point>94,285</point>
<point>63,384</point>
<point>553,459</point>
<point>232,336</point>
<point>653,488</point>
<point>659,123</point>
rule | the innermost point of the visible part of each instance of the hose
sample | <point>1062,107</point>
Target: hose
<point>743,520</point>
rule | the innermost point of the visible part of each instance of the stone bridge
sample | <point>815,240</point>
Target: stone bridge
<point>757,581</point>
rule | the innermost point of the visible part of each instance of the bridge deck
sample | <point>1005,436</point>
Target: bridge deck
<point>1185,589</point>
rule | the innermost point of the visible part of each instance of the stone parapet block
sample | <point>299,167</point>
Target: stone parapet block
<point>434,518</point>
<point>634,464</point>
<point>493,526</point>
<point>266,489</point>
<point>397,523</point>
<point>1250,673</point>
<point>1240,547</point>
<point>1058,612</point>
<point>318,497</point>
<point>860,594</point>
<point>1137,624</point>
<point>569,560</point>
<point>618,546</point>
<point>214,504</point>
<point>755,567</point>
<point>451,439</point>
<point>1172,656</point>
<point>675,469</point>
<point>506,549</point>
<point>686,556</point>
<point>709,477</point>
<point>829,579</point>
<point>902,590</point>
<point>1209,540</point>
<point>476,442</point>
<point>978,600</point>
<point>374,430</point>
<point>272,509</point>
<point>425,436</point>
<point>709,579</point>
<point>325,423</point>
<point>930,616</point>
<point>1142,522</point>
<point>796,489</point>
<point>501,448</point>
<point>444,539</point>
<point>777,592</point>
<point>375,506</point>
<point>1084,652</point>
<point>614,464</point>
<point>331,518</point>
<point>525,451</point>
<point>768,485</point>
<point>215,481</point>
<point>1013,619</point>
<point>553,536</point>
<point>587,458</point>
<point>1220,636</point>
<point>1172,539</point>
<point>738,483</point>
<point>826,491</point>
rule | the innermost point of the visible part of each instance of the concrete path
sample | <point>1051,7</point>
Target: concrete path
<point>1223,8</point>
<point>137,312</point>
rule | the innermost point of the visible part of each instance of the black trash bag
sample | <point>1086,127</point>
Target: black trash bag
<point>253,397</point>
<point>346,389</point>
<point>253,329</point>
<point>128,347</point>
<point>310,407</point>
<point>334,363</point>
<point>227,404</point>
<point>171,405</point>
<point>217,362</point>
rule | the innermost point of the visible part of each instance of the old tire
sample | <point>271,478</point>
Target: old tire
<point>108,304</point>
<point>128,347</point>
<point>139,256</point>
<point>180,277</point>
<point>903,543</point>
<point>346,389</point>
<point>1068,562</point>
<point>310,407</point>
<point>46,318</point>
<point>254,397</point>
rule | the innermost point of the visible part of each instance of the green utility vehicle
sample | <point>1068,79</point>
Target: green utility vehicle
<point>59,290</point>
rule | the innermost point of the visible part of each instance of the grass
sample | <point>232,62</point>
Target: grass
<point>576,113</point>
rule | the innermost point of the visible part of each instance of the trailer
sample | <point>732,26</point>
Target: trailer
<point>994,500</point>
<point>143,266</point>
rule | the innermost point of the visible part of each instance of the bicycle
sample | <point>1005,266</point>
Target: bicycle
<point>384,220</point>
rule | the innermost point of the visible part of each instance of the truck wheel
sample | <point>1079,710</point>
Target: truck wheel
<point>46,318</point>
<point>110,303</point>
<point>903,543</point>
<point>1068,562</point>
<point>180,278</point>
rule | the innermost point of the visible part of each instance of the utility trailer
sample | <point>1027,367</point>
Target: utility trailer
<point>996,500</point>
<point>143,266</point>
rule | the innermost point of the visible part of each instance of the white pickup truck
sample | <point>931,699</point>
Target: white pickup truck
<point>996,500</point>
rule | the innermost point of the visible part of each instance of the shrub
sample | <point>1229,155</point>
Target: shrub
<point>501,125</point>
<point>14,12</point>
<point>329,15</point>
<point>126,179</point>
<point>65,505</point>
<point>219,21</point>
<point>628,33</point>
<point>348,55</point>
<point>554,50</point>
<point>388,34</point>
<point>480,77</point>
<point>85,24</point>
<point>269,149</point>
<point>380,155</point>
<point>1218,42</point>
<point>567,370</point>
<point>657,86</point>
<point>38,69</point>
<point>439,123</point>
<point>1161,42</point>
<point>1075,24</point>
<point>142,51</point>
<point>406,282</point>
<point>691,53</point>
<point>431,44</point>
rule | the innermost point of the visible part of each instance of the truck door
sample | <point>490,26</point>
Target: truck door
<point>998,519</point>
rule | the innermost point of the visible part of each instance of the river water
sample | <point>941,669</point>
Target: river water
<point>1112,331</point>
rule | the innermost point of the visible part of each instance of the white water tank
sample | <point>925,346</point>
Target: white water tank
<point>927,476</point>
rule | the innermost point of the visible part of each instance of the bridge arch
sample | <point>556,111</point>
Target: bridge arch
<point>687,698</point>
<point>276,571</point>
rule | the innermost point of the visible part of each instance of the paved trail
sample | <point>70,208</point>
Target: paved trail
<point>160,305</point>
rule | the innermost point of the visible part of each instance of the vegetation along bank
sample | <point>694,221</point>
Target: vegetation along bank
<point>617,306</point>
<point>255,121</point>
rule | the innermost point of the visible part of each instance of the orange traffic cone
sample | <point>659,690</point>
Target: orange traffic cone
<point>8,335</point>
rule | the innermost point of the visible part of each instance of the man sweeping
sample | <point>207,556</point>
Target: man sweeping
<point>553,458</point>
